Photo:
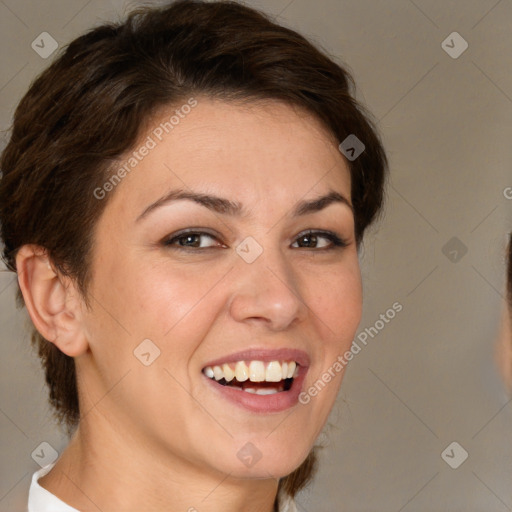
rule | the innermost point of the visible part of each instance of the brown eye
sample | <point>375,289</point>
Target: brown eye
<point>313,239</point>
<point>189,239</point>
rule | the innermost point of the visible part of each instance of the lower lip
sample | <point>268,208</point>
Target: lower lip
<point>276,402</point>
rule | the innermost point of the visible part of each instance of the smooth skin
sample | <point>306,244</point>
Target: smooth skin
<point>157,438</point>
<point>503,352</point>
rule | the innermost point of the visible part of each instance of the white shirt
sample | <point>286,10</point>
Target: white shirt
<point>41,500</point>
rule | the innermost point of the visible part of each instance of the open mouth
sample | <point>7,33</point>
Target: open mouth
<point>255,376</point>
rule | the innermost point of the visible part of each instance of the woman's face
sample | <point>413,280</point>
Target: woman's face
<point>240,282</point>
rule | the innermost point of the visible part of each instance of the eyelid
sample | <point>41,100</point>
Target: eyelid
<point>194,231</point>
<point>337,241</point>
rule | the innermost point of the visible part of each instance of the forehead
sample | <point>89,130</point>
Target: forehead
<point>255,152</point>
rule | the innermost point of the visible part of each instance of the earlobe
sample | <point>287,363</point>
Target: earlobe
<point>51,301</point>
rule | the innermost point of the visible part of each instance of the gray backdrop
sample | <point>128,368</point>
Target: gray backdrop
<point>427,378</point>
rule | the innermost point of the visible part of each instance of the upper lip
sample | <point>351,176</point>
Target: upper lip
<point>265,355</point>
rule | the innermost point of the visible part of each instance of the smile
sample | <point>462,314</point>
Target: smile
<point>255,376</point>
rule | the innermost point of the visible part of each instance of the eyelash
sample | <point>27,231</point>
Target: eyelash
<point>336,241</point>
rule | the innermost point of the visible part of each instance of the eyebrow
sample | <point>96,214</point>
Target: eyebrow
<point>236,209</point>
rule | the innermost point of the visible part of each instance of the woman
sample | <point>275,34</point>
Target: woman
<point>183,199</point>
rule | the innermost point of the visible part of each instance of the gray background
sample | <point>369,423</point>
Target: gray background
<point>428,378</point>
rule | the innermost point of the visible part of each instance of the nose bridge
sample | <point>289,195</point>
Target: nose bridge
<point>265,283</point>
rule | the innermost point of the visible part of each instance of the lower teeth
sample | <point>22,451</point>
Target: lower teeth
<point>278,387</point>
<point>267,391</point>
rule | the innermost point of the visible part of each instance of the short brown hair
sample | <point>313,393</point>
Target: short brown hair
<point>89,106</point>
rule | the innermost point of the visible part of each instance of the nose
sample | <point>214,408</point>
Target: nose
<point>267,291</point>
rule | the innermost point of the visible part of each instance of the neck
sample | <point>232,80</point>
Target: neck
<point>107,471</point>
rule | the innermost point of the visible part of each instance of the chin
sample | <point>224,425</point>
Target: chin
<point>259,458</point>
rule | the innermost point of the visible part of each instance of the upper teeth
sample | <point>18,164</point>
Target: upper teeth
<point>274,371</point>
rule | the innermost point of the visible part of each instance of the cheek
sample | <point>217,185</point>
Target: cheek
<point>154,298</point>
<point>338,302</point>
<point>175,308</point>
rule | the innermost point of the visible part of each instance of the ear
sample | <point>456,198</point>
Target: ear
<point>52,301</point>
